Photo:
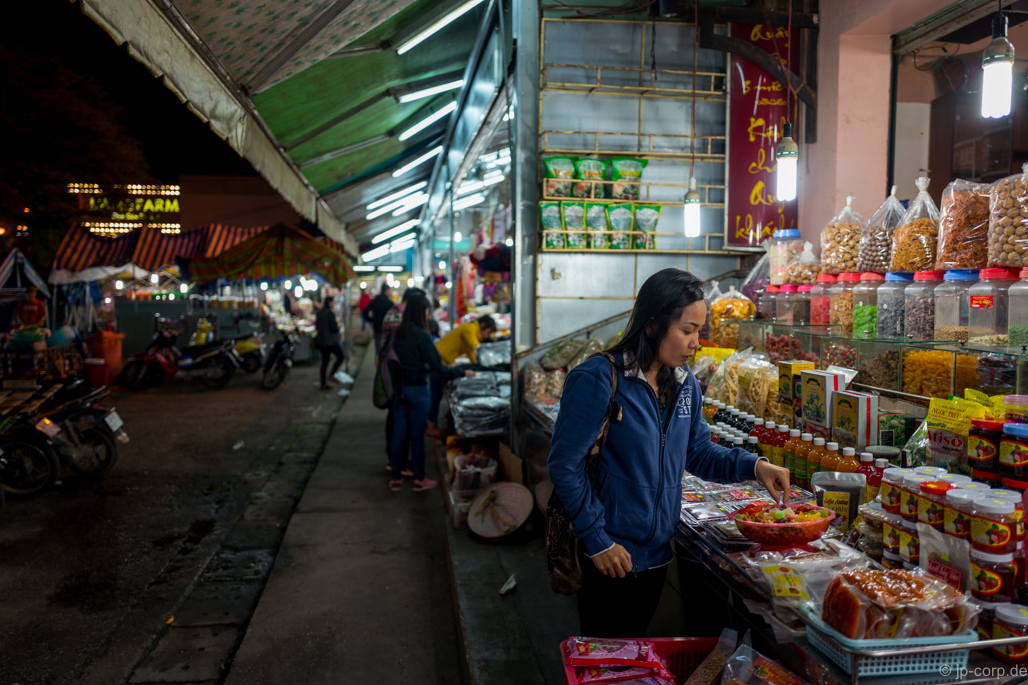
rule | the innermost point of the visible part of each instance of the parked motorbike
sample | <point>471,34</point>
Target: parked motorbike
<point>249,346</point>
<point>280,360</point>
<point>213,364</point>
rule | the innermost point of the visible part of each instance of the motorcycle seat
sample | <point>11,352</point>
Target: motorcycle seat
<point>195,350</point>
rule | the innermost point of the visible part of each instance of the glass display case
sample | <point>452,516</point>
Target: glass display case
<point>938,370</point>
<point>781,341</point>
<point>1000,370</point>
<point>876,360</point>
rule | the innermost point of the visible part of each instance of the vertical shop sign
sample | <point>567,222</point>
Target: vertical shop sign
<point>757,112</point>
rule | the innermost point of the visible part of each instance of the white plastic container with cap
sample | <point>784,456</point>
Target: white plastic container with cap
<point>910,493</point>
<point>956,517</point>
<point>892,488</point>
<point>933,471</point>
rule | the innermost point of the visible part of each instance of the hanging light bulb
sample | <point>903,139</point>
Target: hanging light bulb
<point>788,156</point>
<point>997,71</point>
<point>692,210</point>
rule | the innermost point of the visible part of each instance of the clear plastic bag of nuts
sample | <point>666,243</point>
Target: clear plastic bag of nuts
<point>840,241</point>
<point>876,238</point>
<point>915,241</point>
<point>963,226</point>
<point>1008,221</point>
<point>804,268</point>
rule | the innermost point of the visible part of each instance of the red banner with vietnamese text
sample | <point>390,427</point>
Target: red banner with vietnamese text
<point>757,112</point>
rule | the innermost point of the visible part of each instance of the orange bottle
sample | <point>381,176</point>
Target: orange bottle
<point>830,462</point>
<point>815,456</point>
<point>848,462</point>
<point>789,454</point>
<point>802,477</point>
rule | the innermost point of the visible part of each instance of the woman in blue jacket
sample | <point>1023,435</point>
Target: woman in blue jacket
<point>624,518</point>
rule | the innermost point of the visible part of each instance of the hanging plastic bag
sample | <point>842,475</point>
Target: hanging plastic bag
<point>646,218</point>
<point>876,237</point>
<point>558,168</point>
<point>1008,221</point>
<point>596,225</point>
<point>759,278</point>
<point>552,221</point>
<point>964,226</point>
<point>756,377</point>
<point>915,451</point>
<point>725,313</point>
<point>587,171</point>
<point>840,240</point>
<point>574,223</point>
<point>914,242</point>
<point>724,386</point>
<point>626,174</point>
<point>804,268</point>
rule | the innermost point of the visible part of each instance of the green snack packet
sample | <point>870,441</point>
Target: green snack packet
<point>559,168</point>
<point>646,218</point>
<point>596,220</point>
<point>589,169</point>
<point>574,220</point>
<point>625,171</point>
<point>621,220</point>
<point>550,219</point>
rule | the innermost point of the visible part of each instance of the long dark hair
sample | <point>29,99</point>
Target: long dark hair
<point>660,303</point>
<point>415,312</point>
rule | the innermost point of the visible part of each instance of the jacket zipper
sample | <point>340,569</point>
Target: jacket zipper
<point>660,462</point>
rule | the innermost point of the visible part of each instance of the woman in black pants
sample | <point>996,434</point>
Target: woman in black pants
<point>327,339</point>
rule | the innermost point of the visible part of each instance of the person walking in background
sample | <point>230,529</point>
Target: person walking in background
<point>376,311</point>
<point>327,339</point>
<point>362,307</point>
<point>390,323</point>
<point>417,355</point>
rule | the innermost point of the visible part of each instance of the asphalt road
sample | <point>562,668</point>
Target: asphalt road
<point>91,572</point>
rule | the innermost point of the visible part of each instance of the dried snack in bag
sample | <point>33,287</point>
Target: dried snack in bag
<point>558,168</point>
<point>588,169</point>
<point>535,380</point>
<point>621,220</point>
<point>555,382</point>
<point>724,386</point>
<point>596,225</point>
<point>756,377</point>
<point>914,242</point>
<point>574,223</point>
<point>626,174</point>
<point>876,237</point>
<point>1008,221</point>
<point>551,220</point>
<point>590,651</point>
<point>725,311</point>
<point>709,671</point>
<point>561,354</point>
<point>804,268</point>
<point>646,218</point>
<point>963,226</point>
<point>840,241</point>
<point>591,347</point>
<point>747,666</point>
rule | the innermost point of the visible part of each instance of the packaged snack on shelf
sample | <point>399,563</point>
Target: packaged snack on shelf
<point>949,424</point>
<point>876,236</point>
<point>964,226</point>
<point>573,214</point>
<point>555,383</point>
<point>589,651</point>
<point>535,380</point>
<point>646,219</point>
<point>596,225</point>
<point>620,218</point>
<point>915,450</point>
<point>755,378</point>
<point>817,388</point>
<point>591,347</point>
<point>558,168</point>
<point>843,493</point>
<point>561,354</point>
<point>758,279</point>
<point>853,419</point>
<point>804,268</point>
<point>551,220</point>
<point>730,305</point>
<point>724,386</point>
<point>914,242</point>
<point>588,169</point>
<point>750,667</point>
<point>840,241</point>
<point>1008,221</point>
<point>709,671</point>
<point>626,174</point>
<point>789,387</point>
<point>945,557</point>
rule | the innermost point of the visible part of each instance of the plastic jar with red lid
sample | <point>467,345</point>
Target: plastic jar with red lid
<point>820,302</point>
<point>931,503</point>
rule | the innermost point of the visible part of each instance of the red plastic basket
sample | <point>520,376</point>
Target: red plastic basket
<point>682,654</point>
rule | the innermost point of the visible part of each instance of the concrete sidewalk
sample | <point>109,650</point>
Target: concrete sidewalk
<point>360,590</point>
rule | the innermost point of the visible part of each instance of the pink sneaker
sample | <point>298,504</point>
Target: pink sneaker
<point>395,485</point>
<point>425,483</point>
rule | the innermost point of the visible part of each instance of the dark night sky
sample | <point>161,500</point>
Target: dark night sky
<point>174,140</point>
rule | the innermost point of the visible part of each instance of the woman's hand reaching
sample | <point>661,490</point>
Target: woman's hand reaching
<point>616,562</point>
<point>774,478</point>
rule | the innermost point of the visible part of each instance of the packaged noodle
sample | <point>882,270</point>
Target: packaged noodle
<point>755,378</point>
<point>804,268</point>
<point>558,168</point>
<point>588,169</point>
<point>964,226</point>
<point>725,312</point>
<point>914,242</point>
<point>646,218</point>
<point>574,223</point>
<point>724,386</point>
<point>626,174</point>
<point>621,220</point>
<point>876,236</point>
<point>1008,221</point>
<point>596,225</point>
<point>840,241</point>
<point>552,221</point>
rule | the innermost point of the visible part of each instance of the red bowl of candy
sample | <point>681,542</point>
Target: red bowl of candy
<point>792,526</point>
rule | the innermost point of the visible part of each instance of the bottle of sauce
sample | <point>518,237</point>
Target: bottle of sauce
<point>789,453</point>
<point>766,439</point>
<point>778,451</point>
<point>758,428</point>
<point>815,456</point>
<point>751,445</point>
<point>802,477</point>
<point>873,473</point>
<point>739,443</point>
<point>715,435</point>
<point>830,462</point>
<point>848,462</point>
<point>721,415</point>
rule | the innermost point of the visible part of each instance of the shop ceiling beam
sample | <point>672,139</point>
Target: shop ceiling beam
<point>762,58</point>
<point>724,14</point>
<point>333,122</point>
<point>344,150</point>
<point>942,23</point>
<point>312,31</point>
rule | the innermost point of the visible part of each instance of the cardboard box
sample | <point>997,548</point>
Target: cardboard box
<point>511,465</point>
<point>790,406</point>
<point>816,393</point>
<point>854,419</point>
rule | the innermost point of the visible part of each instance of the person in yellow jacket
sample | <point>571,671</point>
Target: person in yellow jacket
<point>465,339</point>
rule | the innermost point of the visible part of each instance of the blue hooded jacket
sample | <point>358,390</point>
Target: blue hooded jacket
<point>638,498</point>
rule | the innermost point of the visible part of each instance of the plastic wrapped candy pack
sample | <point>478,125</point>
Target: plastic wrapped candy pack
<point>587,652</point>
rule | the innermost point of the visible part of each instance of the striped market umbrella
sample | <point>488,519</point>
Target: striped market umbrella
<point>80,250</point>
<point>279,252</point>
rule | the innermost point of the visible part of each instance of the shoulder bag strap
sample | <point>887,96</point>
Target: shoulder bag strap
<point>613,414</point>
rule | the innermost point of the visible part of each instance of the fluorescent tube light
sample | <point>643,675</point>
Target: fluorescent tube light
<point>391,269</point>
<point>428,92</point>
<point>363,268</point>
<point>372,255</point>
<point>469,201</point>
<point>389,199</point>
<point>428,121</point>
<point>410,202</point>
<point>395,231</point>
<point>418,162</point>
<point>435,27</point>
<point>400,245</point>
